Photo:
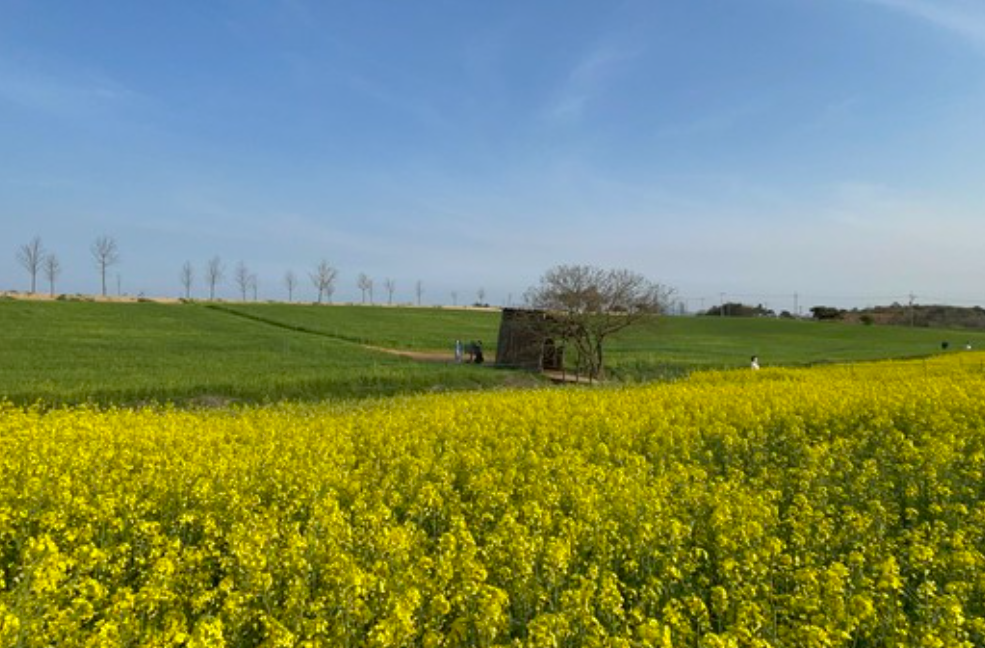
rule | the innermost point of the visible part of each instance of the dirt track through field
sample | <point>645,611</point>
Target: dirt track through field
<point>421,356</point>
<point>449,358</point>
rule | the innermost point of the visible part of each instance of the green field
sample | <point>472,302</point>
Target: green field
<point>125,353</point>
<point>675,343</point>
<point>111,352</point>
<point>668,346</point>
<point>421,329</point>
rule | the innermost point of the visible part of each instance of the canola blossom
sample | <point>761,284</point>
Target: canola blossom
<point>840,506</point>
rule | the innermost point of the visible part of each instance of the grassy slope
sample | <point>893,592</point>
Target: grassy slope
<point>430,329</point>
<point>75,351</point>
<point>672,342</point>
<point>710,340</point>
<point>676,342</point>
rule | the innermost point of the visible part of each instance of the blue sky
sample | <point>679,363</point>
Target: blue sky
<point>756,148</point>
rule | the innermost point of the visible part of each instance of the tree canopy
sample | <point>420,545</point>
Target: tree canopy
<point>589,304</point>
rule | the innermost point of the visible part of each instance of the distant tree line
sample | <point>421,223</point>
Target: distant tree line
<point>736,309</point>
<point>36,260</point>
<point>896,314</point>
<point>41,264</point>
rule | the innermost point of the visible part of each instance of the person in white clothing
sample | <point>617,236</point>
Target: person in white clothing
<point>755,363</point>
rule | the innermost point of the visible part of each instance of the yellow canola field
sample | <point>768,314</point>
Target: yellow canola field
<point>840,506</point>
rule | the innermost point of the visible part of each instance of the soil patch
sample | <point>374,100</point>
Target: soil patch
<point>421,356</point>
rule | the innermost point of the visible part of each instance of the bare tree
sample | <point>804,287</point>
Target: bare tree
<point>254,285</point>
<point>481,294</point>
<point>324,278</point>
<point>390,285</point>
<point>31,257</point>
<point>589,304</point>
<point>419,290</point>
<point>187,277</point>
<point>242,277</point>
<point>454,298</point>
<point>52,269</point>
<point>291,282</point>
<point>214,273</point>
<point>365,285</point>
<point>106,254</point>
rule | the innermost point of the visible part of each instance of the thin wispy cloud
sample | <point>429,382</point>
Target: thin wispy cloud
<point>962,17</point>
<point>717,122</point>
<point>417,107</point>
<point>588,78</point>
<point>301,11</point>
<point>60,94</point>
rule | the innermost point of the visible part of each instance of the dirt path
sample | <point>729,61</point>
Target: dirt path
<point>438,357</point>
<point>449,358</point>
<point>420,356</point>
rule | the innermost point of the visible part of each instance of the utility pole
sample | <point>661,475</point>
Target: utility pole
<point>912,297</point>
<point>796,305</point>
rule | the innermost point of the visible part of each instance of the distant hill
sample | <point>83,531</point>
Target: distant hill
<point>922,315</point>
<point>925,316</point>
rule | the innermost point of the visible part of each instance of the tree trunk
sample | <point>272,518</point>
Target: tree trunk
<point>599,371</point>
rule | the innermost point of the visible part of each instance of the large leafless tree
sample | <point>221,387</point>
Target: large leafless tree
<point>105,253</point>
<point>365,284</point>
<point>187,278</point>
<point>323,279</point>
<point>589,304</point>
<point>31,257</point>
<point>214,273</point>
<point>290,282</point>
<point>390,286</point>
<point>242,278</point>
<point>52,270</point>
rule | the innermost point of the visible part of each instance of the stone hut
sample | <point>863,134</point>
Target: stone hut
<point>525,341</point>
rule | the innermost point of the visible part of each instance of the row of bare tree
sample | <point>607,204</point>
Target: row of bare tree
<point>34,258</point>
<point>324,278</point>
<point>588,304</point>
<point>39,262</point>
